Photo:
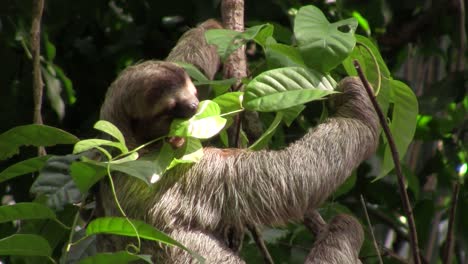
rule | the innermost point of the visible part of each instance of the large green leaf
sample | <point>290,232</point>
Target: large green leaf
<point>23,167</point>
<point>121,226</point>
<point>55,182</point>
<point>116,257</point>
<point>35,135</point>
<point>25,245</point>
<point>22,211</point>
<point>286,87</point>
<point>86,174</point>
<point>206,123</point>
<point>323,45</point>
<point>403,125</point>
<point>280,55</point>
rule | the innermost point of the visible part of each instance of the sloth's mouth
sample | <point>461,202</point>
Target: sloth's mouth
<point>176,142</point>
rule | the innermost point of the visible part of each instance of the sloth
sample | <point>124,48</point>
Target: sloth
<point>231,188</point>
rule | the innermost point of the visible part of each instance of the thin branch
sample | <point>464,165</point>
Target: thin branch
<point>261,244</point>
<point>38,85</point>
<point>448,250</point>
<point>371,229</point>
<point>396,159</point>
<point>449,242</point>
<point>461,57</point>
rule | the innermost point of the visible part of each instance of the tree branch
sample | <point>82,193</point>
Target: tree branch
<point>396,159</point>
<point>38,85</point>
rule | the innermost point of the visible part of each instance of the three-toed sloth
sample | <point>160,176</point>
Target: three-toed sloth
<point>232,188</point>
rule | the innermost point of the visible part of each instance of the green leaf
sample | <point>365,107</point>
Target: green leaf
<point>280,55</point>
<point>55,182</point>
<point>290,114</point>
<point>372,63</point>
<point>87,144</point>
<point>109,128</point>
<point>224,40</point>
<point>35,135</point>
<point>362,21</point>
<point>25,245</point>
<point>121,226</point>
<point>23,167</point>
<point>403,125</point>
<point>23,211</point>
<point>140,169</point>
<point>191,152</point>
<point>206,123</point>
<point>49,47</point>
<point>286,87</point>
<point>116,257</point>
<point>263,140</point>
<point>86,174</point>
<point>229,102</point>
<point>193,72</point>
<point>227,41</point>
<point>322,44</point>
<point>261,36</point>
<point>54,90</point>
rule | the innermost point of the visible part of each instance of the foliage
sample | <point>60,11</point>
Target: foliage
<point>293,71</point>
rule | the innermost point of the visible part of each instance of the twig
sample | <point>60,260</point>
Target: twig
<point>396,159</point>
<point>38,85</point>
<point>448,250</point>
<point>461,52</point>
<point>460,66</point>
<point>371,229</point>
<point>260,244</point>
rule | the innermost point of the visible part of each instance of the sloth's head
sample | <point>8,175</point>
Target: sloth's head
<point>145,98</point>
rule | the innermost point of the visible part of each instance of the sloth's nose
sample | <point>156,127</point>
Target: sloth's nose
<point>186,109</point>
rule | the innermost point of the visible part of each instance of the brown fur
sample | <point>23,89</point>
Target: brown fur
<point>235,188</point>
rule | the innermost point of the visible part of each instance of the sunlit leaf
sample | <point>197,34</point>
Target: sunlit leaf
<point>206,123</point>
<point>323,45</point>
<point>286,87</point>
<point>87,144</point>
<point>109,128</point>
<point>362,21</point>
<point>35,135</point>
